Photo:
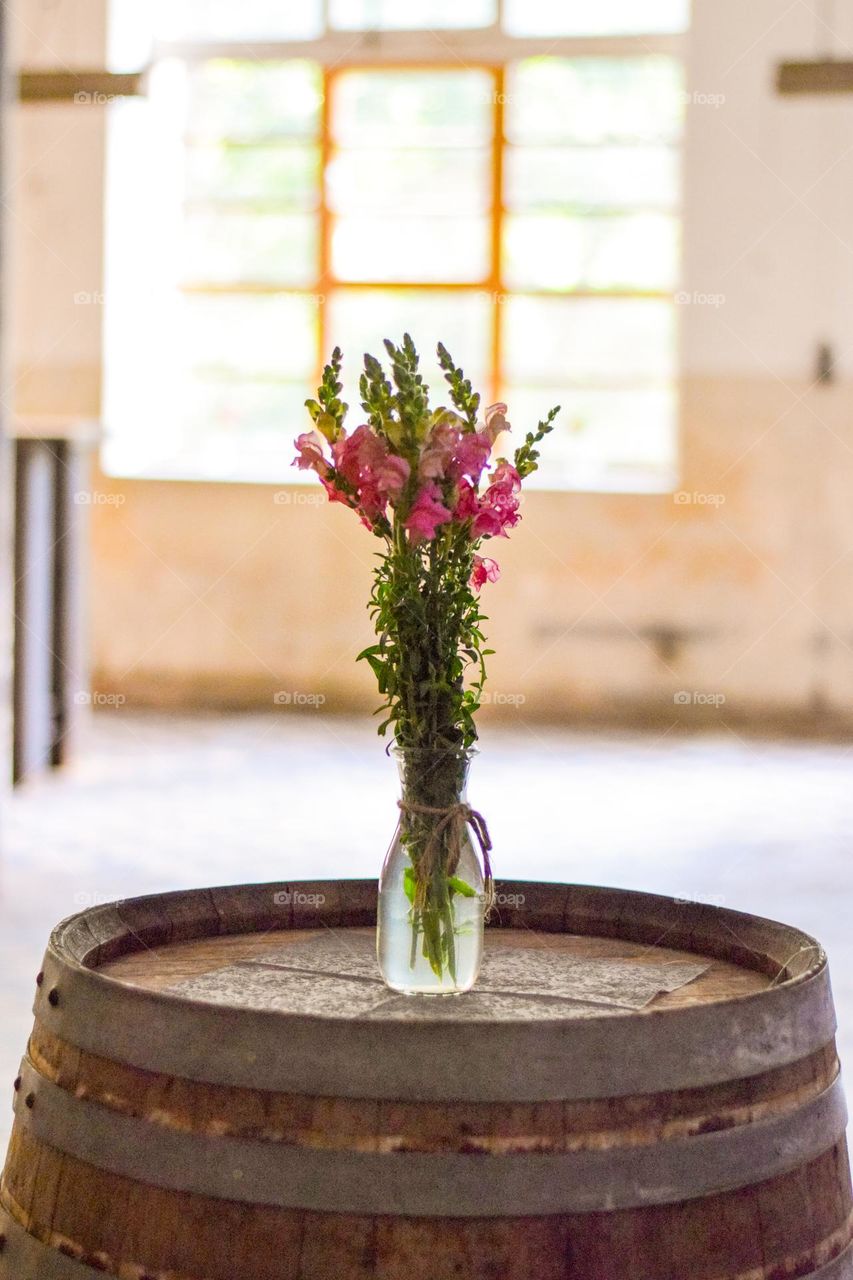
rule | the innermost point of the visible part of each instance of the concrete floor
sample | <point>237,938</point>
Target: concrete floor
<point>156,803</point>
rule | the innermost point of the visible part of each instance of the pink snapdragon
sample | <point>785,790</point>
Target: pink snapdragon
<point>356,455</point>
<point>379,484</point>
<point>378,476</point>
<point>496,421</point>
<point>367,473</point>
<point>309,453</point>
<point>391,475</point>
<point>498,507</point>
<point>452,452</point>
<point>484,570</point>
<point>335,494</point>
<point>471,456</point>
<point>438,451</point>
<point>427,513</point>
<point>467,503</point>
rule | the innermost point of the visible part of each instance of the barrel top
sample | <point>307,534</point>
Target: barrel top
<point>596,990</point>
<point>333,973</point>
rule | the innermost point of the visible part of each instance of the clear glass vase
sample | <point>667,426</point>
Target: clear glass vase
<point>433,889</point>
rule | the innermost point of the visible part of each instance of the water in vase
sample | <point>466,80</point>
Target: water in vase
<point>452,922</point>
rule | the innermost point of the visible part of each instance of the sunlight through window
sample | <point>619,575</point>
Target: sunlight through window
<point>267,202</point>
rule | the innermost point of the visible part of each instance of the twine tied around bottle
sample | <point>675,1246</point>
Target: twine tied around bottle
<point>453,819</point>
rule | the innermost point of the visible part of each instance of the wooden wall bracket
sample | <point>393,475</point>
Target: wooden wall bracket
<point>98,87</point>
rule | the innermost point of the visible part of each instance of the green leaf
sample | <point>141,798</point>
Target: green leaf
<point>460,886</point>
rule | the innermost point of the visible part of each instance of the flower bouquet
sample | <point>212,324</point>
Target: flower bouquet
<point>423,482</point>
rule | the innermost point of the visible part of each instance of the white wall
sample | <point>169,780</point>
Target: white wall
<point>768,217</point>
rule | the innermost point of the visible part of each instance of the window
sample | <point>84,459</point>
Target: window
<point>301,176</point>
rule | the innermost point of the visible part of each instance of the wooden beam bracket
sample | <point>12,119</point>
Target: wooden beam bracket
<point>828,75</point>
<point>97,88</point>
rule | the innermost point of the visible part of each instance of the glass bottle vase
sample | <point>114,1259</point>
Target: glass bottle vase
<point>433,891</point>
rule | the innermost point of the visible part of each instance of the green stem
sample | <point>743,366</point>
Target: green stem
<point>413,953</point>
<point>447,913</point>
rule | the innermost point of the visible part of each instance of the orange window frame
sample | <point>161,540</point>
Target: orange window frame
<point>492,283</point>
<point>325,281</point>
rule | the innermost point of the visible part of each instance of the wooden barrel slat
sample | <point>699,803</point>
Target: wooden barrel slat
<point>159,1135</point>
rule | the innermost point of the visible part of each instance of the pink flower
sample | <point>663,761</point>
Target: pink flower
<point>377,475</point>
<point>487,524</point>
<point>309,450</point>
<point>427,512</point>
<point>438,451</point>
<point>451,453</point>
<point>336,494</point>
<point>506,474</point>
<point>499,504</point>
<point>485,570</point>
<point>356,453</point>
<point>467,503</point>
<point>390,476</point>
<point>496,421</point>
<point>380,483</point>
<point>471,455</point>
<point>371,504</point>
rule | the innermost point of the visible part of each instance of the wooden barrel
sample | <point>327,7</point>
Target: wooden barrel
<point>219,1087</point>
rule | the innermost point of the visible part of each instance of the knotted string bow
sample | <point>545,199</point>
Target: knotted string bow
<point>454,820</point>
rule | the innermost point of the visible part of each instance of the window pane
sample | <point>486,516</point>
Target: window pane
<point>550,251</point>
<point>360,15</point>
<point>222,248</point>
<point>359,319</point>
<point>239,430</point>
<point>227,20</point>
<point>591,178</point>
<point>234,335</point>
<point>412,108</point>
<point>130,34</point>
<point>411,249</point>
<point>603,438</point>
<point>255,100</point>
<point>594,100</point>
<point>288,176</point>
<point>571,341</point>
<point>401,181</point>
<point>605,17</point>
<point>411,142</point>
<point>244,407</point>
